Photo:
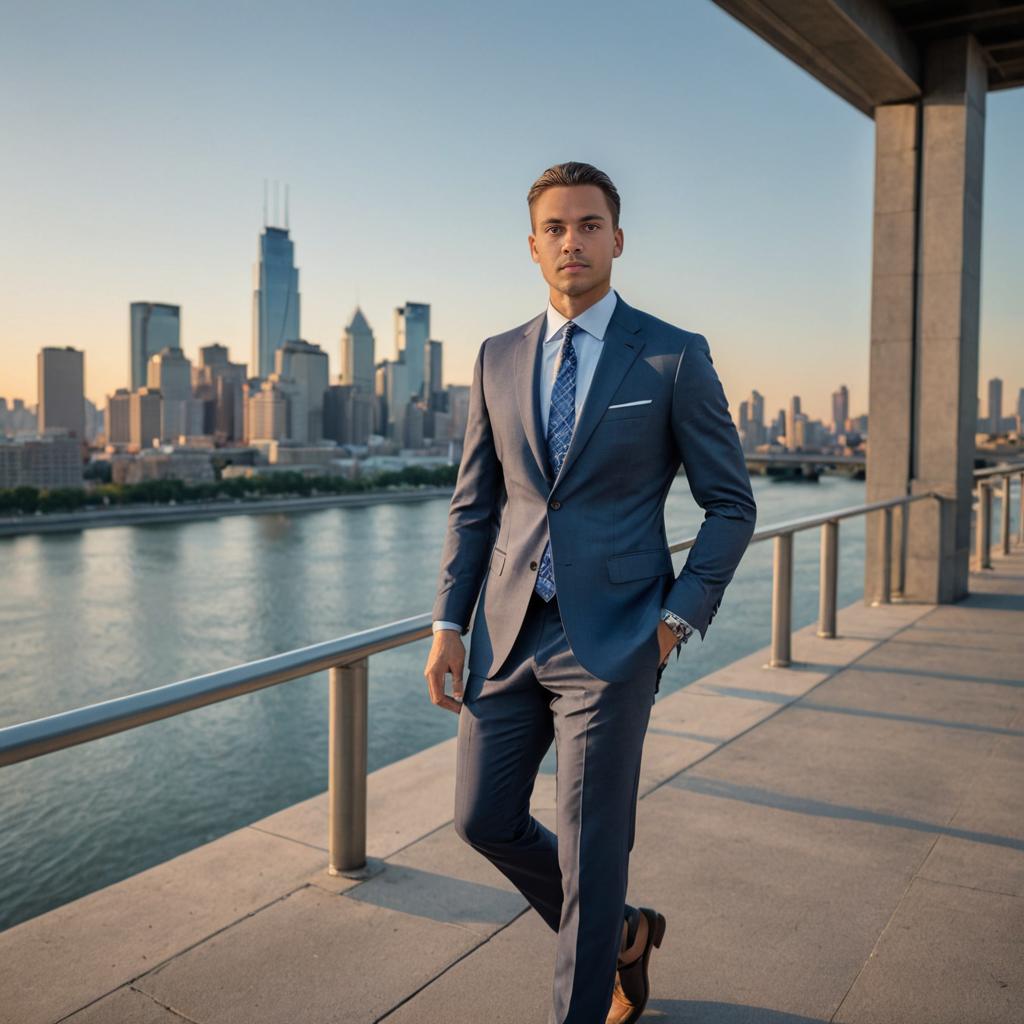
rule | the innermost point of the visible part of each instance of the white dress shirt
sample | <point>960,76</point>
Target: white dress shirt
<point>587,342</point>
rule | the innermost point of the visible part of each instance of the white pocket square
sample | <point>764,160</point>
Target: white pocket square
<point>622,405</point>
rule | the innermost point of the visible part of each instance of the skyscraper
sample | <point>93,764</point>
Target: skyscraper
<point>412,332</point>
<point>170,373</point>
<point>840,409</point>
<point>220,384</point>
<point>301,367</point>
<point>357,354</point>
<point>757,408</point>
<point>145,415</point>
<point>995,405</point>
<point>791,420</point>
<point>275,301</point>
<point>154,327</point>
<point>61,383</point>
<point>119,417</point>
<point>433,385</point>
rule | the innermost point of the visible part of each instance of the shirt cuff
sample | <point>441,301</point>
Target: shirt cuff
<point>442,624</point>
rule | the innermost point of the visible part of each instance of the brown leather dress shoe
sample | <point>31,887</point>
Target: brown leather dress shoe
<point>645,928</point>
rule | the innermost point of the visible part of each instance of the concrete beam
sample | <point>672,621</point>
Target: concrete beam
<point>855,47</point>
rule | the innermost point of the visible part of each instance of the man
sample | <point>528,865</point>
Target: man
<point>578,422</point>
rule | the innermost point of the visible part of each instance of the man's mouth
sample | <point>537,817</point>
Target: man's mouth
<point>573,266</point>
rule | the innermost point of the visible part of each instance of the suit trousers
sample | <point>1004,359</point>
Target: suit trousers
<point>575,879</point>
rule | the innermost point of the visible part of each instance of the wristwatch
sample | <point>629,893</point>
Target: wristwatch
<point>682,629</point>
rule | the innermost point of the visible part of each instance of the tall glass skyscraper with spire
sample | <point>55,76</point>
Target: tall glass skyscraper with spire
<point>275,301</point>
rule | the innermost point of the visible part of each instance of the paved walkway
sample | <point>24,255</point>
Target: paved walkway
<point>839,841</point>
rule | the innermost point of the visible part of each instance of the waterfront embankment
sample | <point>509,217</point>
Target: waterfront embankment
<point>125,515</point>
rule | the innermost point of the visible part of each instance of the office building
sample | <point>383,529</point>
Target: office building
<point>840,409</point>
<point>119,417</point>
<point>348,414</point>
<point>458,409</point>
<point>267,418</point>
<point>219,384</point>
<point>433,382</point>
<point>995,405</point>
<point>305,366</point>
<point>146,418</point>
<point>54,460</point>
<point>170,373</point>
<point>412,332</point>
<point>791,420</point>
<point>61,382</point>
<point>154,326</point>
<point>396,398</point>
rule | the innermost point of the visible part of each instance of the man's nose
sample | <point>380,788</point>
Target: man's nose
<point>570,243</point>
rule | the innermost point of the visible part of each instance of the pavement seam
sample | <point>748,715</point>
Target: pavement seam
<point>288,839</point>
<point>440,974</point>
<point>169,1009</point>
<point>131,982</point>
<point>971,888</point>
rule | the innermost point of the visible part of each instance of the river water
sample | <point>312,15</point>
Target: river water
<point>88,616</point>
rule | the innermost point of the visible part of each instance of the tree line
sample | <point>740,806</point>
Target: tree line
<point>28,500</point>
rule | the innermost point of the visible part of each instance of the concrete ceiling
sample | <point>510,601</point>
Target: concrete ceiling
<point>870,52</point>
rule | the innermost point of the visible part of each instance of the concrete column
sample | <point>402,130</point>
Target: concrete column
<point>924,319</point>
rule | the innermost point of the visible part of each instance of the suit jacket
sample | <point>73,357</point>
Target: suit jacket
<point>655,401</point>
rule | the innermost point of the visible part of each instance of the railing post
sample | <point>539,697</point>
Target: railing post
<point>885,582</point>
<point>900,582</point>
<point>782,600</point>
<point>1004,517</point>
<point>1020,513</point>
<point>347,751</point>
<point>983,526</point>
<point>828,579</point>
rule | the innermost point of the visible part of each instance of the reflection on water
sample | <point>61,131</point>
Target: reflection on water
<point>91,616</point>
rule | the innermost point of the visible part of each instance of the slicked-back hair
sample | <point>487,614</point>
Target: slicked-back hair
<point>576,173</point>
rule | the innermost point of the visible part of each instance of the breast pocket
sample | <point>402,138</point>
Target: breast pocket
<point>627,424</point>
<point>628,410</point>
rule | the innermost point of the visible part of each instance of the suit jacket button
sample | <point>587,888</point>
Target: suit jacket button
<point>556,504</point>
<point>533,565</point>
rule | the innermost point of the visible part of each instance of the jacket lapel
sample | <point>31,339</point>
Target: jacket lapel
<point>528,361</point>
<point>621,347</point>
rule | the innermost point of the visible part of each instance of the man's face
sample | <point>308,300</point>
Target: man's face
<point>574,241</point>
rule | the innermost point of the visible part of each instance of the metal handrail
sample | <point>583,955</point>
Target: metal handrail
<point>347,660</point>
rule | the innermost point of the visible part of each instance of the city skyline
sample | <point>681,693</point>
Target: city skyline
<point>748,220</point>
<point>358,333</point>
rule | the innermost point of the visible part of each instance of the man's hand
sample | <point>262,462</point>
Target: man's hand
<point>666,641</point>
<point>447,654</point>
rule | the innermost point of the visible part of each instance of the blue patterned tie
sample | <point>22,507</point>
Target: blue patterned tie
<point>561,420</point>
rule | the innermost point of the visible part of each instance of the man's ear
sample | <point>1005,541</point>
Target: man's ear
<point>533,249</point>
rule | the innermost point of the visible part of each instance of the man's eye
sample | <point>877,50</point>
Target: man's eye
<point>553,228</point>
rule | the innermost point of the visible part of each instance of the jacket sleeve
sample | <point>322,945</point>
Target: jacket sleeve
<point>474,512</point>
<point>709,446</point>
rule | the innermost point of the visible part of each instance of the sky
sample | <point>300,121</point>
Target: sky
<point>137,138</point>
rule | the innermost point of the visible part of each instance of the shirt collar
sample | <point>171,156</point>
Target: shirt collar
<point>594,319</point>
